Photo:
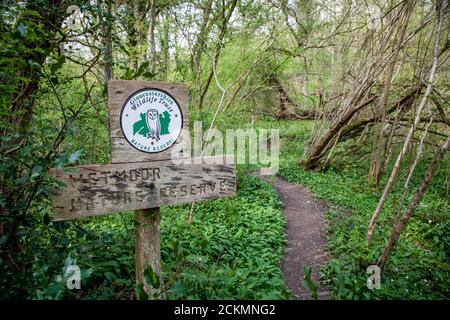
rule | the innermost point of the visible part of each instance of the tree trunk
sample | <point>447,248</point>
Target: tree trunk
<point>282,98</point>
<point>311,161</point>
<point>148,246</point>
<point>106,27</point>
<point>395,170</point>
<point>225,19</point>
<point>165,48</point>
<point>199,45</point>
<point>151,37</point>
<point>25,84</point>
<point>377,154</point>
<point>400,225</point>
<point>30,74</point>
<point>404,103</point>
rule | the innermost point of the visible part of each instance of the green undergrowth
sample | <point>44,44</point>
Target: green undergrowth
<point>419,266</point>
<point>231,250</point>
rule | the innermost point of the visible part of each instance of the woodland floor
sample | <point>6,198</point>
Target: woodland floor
<point>306,236</point>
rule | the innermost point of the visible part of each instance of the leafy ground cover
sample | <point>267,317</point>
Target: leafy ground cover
<point>231,250</point>
<point>418,268</point>
<point>233,247</point>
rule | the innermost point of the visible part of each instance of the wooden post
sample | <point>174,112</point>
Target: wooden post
<point>147,245</point>
<point>146,119</point>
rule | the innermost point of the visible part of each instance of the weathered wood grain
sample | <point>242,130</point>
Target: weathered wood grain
<point>121,152</point>
<point>148,252</point>
<point>101,189</point>
<point>118,93</point>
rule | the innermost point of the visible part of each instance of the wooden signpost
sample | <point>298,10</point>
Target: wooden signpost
<point>146,121</point>
<point>101,189</point>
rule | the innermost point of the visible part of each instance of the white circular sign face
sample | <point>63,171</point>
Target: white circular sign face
<point>151,120</point>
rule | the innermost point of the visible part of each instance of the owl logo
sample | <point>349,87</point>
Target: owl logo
<point>152,120</point>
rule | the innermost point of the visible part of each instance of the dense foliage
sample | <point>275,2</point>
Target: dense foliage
<point>347,90</point>
<point>220,255</point>
<point>418,268</point>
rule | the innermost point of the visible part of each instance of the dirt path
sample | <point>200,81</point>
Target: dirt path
<point>306,236</point>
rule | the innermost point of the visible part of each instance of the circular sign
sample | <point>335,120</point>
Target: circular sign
<point>151,120</point>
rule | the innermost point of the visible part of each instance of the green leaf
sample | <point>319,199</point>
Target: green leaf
<point>61,161</point>
<point>22,180</point>
<point>75,156</point>
<point>128,74</point>
<point>46,220</point>
<point>150,277</point>
<point>140,292</point>
<point>142,68</point>
<point>110,276</point>
<point>54,80</point>
<point>58,64</point>
<point>309,283</point>
<point>179,289</point>
<point>3,240</point>
<point>36,171</point>
<point>22,29</point>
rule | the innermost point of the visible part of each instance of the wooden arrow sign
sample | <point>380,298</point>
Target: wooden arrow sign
<point>92,190</point>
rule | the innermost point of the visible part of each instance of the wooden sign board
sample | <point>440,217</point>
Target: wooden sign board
<point>92,190</point>
<point>146,118</point>
<point>146,123</point>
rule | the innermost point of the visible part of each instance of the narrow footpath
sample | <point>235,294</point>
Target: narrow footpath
<point>306,236</point>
